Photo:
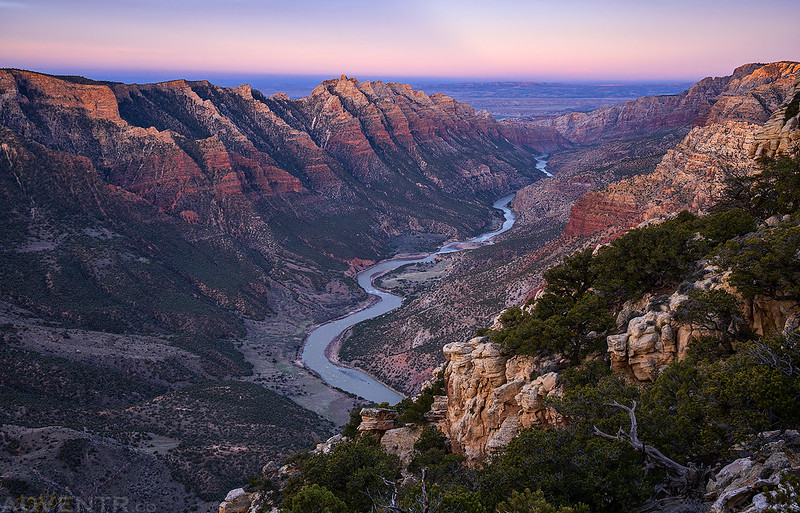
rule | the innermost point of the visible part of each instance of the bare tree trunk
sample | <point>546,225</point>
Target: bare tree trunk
<point>687,477</point>
<point>424,502</point>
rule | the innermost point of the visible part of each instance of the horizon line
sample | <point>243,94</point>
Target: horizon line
<point>158,75</point>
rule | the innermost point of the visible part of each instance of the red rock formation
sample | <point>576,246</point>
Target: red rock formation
<point>596,211</point>
<point>692,175</point>
<point>751,93</point>
<point>193,146</point>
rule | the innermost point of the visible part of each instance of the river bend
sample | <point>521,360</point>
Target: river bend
<point>356,381</point>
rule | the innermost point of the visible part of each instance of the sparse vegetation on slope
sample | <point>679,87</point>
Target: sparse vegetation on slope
<point>731,386</point>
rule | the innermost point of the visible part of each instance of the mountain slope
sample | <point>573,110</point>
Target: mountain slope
<point>669,166</point>
<point>162,243</point>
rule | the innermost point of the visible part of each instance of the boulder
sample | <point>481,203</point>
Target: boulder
<point>237,501</point>
<point>328,445</point>
<point>377,420</point>
<point>739,486</point>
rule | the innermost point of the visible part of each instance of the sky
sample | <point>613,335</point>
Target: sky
<point>538,40</point>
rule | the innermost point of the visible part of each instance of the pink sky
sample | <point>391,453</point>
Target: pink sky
<point>501,39</point>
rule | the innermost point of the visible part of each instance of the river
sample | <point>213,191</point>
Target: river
<point>354,380</point>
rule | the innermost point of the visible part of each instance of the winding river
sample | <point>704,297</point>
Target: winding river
<point>354,380</point>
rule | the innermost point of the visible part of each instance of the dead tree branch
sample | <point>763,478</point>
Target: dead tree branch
<point>688,477</point>
<point>423,502</point>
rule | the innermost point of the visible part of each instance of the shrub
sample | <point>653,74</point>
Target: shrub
<point>413,410</point>
<point>534,502</point>
<point>569,466</point>
<point>764,263</point>
<point>773,190</point>
<point>316,499</point>
<point>648,258</point>
<point>353,472</point>
<point>713,310</point>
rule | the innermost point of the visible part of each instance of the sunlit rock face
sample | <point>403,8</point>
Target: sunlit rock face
<point>745,118</point>
<point>196,147</point>
<point>781,133</point>
<point>492,395</point>
<point>326,182</point>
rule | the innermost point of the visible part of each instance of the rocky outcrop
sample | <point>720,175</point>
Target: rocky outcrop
<point>438,411</point>
<point>651,341</point>
<point>330,444</point>
<point>377,420</point>
<point>741,486</point>
<point>400,442</point>
<point>237,501</point>
<point>781,133</point>
<point>653,337</point>
<point>490,396</point>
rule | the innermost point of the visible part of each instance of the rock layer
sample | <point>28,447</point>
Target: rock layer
<point>751,93</point>
<point>234,159</point>
<point>745,119</point>
<point>490,396</point>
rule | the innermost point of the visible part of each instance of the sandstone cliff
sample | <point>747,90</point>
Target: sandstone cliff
<point>781,133</point>
<point>751,93</point>
<point>748,118</point>
<point>491,395</point>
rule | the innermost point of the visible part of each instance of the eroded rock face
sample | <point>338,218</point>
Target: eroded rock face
<point>651,341</point>
<point>231,159</point>
<point>490,396</point>
<point>689,177</point>
<point>438,411</point>
<point>781,133</point>
<point>729,130</point>
<point>739,486</point>
<point>653,337</point>
<point>751,93</point>
<point>377,420</point>
<point>237,501</point>
<point>773,315</point>
<point>400,442</point>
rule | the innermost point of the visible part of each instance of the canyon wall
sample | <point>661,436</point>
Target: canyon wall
<point>491,395</point>
<point>319,183</point>
<point>169,244</point>
<point>748,119</point>
<point>613,169</point>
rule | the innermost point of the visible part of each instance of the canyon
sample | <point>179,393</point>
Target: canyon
<point>180,239</point>
<point>605,183</point>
